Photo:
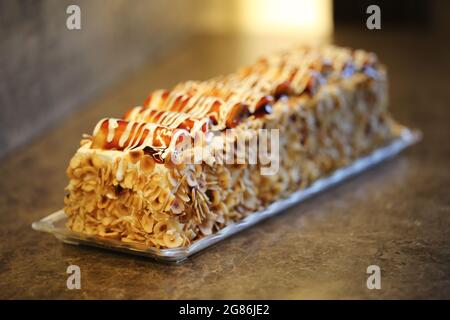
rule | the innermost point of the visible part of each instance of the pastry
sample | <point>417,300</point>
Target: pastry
<point>170,172</point>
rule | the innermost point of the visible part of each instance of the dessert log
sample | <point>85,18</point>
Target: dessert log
<point>327,104</point>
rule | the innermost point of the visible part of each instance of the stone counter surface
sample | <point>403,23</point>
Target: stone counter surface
<point>396,216</point>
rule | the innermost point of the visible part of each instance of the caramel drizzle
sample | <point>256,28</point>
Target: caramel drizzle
<point>259,85</point>
<point>223,114</point>
<point>228,100</point>
<point>168,119</point>
<point>118,134</point>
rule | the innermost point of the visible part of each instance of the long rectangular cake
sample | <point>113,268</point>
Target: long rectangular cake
<point>193,159</point>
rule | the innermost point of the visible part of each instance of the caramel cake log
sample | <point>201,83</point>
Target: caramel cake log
<point>328,105</point>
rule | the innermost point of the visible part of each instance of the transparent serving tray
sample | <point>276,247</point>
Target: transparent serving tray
<point>55,223</point>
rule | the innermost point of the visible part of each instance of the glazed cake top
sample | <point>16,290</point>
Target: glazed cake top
<point>225,101</point>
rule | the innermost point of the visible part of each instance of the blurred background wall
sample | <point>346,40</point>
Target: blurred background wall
<point>310,20</point>
<point>47,71</point>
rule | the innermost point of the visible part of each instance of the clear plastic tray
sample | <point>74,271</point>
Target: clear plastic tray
<point>55,223</point>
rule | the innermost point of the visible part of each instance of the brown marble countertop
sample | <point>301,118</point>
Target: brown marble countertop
<point>396,215</point>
